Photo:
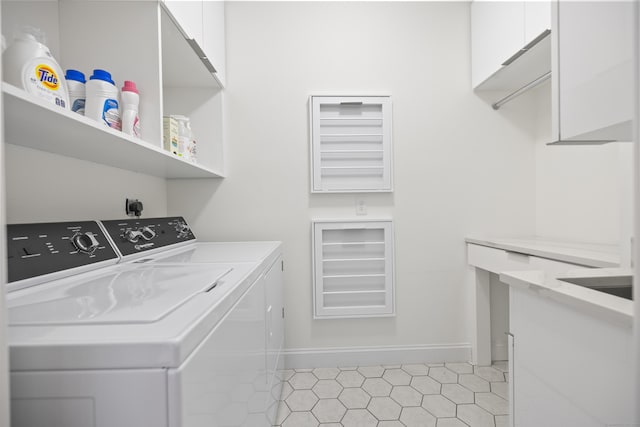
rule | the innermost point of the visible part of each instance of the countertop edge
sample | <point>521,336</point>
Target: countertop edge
<point>598,260</point>
<point>593,302</point>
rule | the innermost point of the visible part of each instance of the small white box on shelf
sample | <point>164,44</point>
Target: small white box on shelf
<point>170,135</point>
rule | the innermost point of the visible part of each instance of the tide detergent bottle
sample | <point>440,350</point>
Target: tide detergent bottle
<point>28,64</point>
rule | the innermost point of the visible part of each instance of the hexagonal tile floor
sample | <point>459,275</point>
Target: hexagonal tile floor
<point>420,395</point>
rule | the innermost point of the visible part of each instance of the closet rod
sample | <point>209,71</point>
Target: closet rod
<point>522,90</point>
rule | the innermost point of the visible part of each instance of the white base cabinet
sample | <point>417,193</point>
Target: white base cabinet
<point>568,368</point>
<point>487,329</point>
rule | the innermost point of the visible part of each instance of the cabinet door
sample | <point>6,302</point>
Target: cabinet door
<point>497,34</point>
<point>213,37</point>
<point>537,19</point>
<point>188,13</point>
<point>594,72</point>
<point>556,344</point>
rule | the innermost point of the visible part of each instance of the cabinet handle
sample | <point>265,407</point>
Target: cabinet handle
<point>352,103</point>
<point>517,253</point>
<point>581,141</point>
<point>203,56</point>
<point>196,47</point>
<point>529,45</point>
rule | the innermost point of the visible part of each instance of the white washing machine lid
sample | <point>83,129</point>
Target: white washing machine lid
<point>213,252</point>
<point>130,295</point>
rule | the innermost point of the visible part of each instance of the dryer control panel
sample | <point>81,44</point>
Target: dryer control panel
<point>43,248</point>
<point>137,235</point>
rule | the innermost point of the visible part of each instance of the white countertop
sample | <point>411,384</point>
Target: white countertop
<point>587,254</point>
<point>595,302</point>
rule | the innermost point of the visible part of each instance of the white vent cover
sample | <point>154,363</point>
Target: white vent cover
<point>353,269</point>
<point>351,144</point>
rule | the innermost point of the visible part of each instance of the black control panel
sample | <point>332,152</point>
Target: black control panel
<point>43,248</point>
<point>136,235</point>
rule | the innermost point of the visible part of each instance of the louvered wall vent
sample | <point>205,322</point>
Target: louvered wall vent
<point>353,269</point>
<point>351,144</point>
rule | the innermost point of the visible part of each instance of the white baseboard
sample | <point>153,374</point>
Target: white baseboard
<point>298,358</point>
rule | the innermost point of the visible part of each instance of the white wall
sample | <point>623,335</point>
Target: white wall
<point>49,187</point>
<point>583,193</point>
<point>459,165</point>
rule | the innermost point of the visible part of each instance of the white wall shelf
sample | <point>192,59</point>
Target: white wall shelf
<point>172,73</point>
<point>69,134</point>
<point>353,269</point>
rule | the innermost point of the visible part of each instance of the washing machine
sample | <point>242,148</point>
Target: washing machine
<point>143,241</point>
<point>98,340</point>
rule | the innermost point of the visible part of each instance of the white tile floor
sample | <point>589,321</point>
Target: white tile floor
<point>418,395</point>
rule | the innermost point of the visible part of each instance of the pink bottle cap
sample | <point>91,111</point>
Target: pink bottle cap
<point>129,86</point>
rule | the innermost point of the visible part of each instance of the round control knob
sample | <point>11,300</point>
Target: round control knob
<point>85,242</point>
<point>132,235</point>
<point>182,227</point>
<point>147,233</point>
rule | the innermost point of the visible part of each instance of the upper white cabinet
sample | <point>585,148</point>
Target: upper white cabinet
<point>202,24</point>
<point>503,32</point>
<point>188,17</point>
<point>496,34</point>
<point>133,40</point>
<point>592,82</point>
<point>213,36</point>
<point>537,19</point>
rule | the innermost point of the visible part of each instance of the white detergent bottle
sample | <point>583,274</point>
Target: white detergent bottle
<point>190,149</point>
<point>130,101</point>
<point>77,91</point>
<point>28,64</point>
<point>102,99</point>
<point>184,135</point>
